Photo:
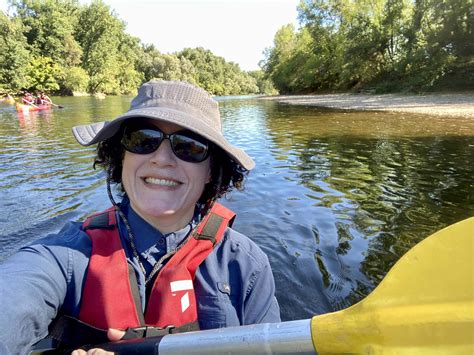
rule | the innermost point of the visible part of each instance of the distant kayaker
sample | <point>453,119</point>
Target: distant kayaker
<point>28,99</point>
<point>7,98</point>
<point>43,99</point>
<point>165,256</point>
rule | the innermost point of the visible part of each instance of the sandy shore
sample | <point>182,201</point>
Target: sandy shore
<point>455,104</point>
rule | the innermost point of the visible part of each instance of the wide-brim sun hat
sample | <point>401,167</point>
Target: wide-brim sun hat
<point>170,101</point>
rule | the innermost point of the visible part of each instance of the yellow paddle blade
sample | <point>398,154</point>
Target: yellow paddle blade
<point>424,305</point>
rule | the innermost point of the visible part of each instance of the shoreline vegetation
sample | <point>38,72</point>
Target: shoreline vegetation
<point>440,104</point>
<point>379,46</point>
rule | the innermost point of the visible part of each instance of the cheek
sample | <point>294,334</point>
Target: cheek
<point>129,167</point>
<point>209,175</point>
<point>206,172</point>
<point>200,174</point>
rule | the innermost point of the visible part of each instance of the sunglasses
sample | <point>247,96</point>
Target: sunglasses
<point>186,145</point>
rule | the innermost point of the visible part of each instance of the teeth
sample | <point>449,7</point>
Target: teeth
<point>161,182</point>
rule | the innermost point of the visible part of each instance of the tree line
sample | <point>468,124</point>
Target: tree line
<point>64,47</point>
<point>376,45</point>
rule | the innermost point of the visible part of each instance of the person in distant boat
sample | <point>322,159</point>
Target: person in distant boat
<point>28,99</point>
<point>43,99</point>
<point>8,98</point>
<point>165,258</point>
<point>38,100</point>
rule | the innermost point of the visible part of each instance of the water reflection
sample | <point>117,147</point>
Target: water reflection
<point>335,198</point>
<point>386,184</point>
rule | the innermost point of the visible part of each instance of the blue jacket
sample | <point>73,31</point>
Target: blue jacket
<point>234,285</point>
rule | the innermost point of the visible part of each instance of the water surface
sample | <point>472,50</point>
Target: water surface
<point>335,200</point>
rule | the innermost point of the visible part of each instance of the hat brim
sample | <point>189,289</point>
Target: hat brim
<point>96,132</point>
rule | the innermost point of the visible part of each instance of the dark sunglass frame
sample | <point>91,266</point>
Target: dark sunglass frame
<point>152,137</point>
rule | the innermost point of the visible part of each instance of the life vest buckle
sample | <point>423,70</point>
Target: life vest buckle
<point>146,332</point>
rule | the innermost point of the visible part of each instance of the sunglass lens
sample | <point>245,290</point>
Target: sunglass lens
<point>143,141</point>
<point>190,147</point>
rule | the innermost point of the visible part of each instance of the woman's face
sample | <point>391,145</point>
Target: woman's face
<point>162,188</point>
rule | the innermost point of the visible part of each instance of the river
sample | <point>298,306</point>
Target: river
<point>336,197</point>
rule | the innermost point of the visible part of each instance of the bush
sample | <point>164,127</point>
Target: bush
<point>75,79</point>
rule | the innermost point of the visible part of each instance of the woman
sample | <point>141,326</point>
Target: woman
<point>165,257</point>
<point>43,99</point>
<point>28,99</point>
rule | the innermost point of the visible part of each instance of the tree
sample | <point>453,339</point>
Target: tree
<point>99,33</point>
<point>128,76</point>
<point>13,55</point>
<point>277,58</point>
<point>215,75</point>
<point>265,85</point>
<point>43,74</point>
<point>49,27</point>
<point>388,44</point>
<point>149,61</point>
<point>74,80</point>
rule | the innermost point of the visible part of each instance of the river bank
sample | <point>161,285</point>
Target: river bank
<point>441,104</point>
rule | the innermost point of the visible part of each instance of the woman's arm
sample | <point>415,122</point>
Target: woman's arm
<point>34,284</point>
<point>32,289</point>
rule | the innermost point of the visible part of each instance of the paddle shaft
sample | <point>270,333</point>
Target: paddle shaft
<point>292,337</point>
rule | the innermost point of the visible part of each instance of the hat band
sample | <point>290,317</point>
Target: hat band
<point>208,115</point>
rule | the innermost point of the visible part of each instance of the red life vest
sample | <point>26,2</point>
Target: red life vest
<point>108,295</point>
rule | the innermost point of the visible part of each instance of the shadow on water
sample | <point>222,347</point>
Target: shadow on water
<point>335,200</point>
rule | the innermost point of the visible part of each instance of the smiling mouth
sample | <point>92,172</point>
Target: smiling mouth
<point>161,182</point>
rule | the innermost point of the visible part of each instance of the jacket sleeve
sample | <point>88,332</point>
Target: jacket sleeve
<point>235,285</point>
<point>261,305</point>
<point>33,285</point>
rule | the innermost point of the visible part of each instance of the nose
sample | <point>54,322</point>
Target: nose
<point>164,155</point>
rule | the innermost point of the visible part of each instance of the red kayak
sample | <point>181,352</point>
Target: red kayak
<point>29,108</point>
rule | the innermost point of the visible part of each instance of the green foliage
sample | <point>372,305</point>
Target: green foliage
<point>66,47</point>
<point>264,84</point>
<point>127,75</point>
<point>170,67</point>
<point>49,27</point>
<point>13,55</point>
<point>98,32</point>
<point>215,75</point>
<point>43,74</point>
<point>75,79</point>
<point>391,45</point>
<point>278,58</point>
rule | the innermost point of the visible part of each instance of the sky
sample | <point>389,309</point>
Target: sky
<point>238,30</point>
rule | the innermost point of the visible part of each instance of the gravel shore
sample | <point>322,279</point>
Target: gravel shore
<point>441,104</point>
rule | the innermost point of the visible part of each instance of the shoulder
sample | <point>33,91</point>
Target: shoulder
<point>64,251</point>
<point>70,235</point>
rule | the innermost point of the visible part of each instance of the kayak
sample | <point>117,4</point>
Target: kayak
<point>29,108</point>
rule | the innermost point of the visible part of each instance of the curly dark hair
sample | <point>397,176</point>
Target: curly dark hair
<point>226,174</point>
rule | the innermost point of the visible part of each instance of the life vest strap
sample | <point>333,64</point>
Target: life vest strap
<point>104,220</point>
<point>71,332</point>
<point>147,331</point>
<point>210,229</point>
<point>213,222</point>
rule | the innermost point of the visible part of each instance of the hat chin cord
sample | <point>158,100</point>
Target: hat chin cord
<point>109,191</point>
<point>206,207</point>
<point>131,237</point>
